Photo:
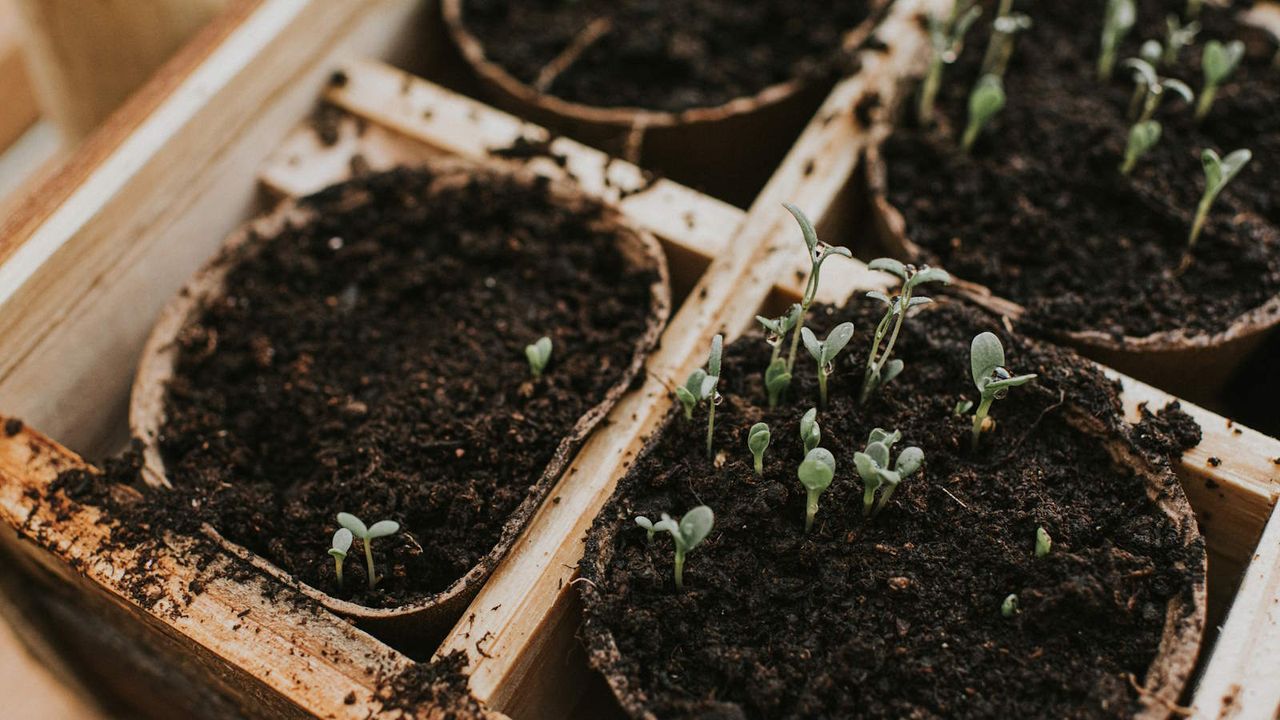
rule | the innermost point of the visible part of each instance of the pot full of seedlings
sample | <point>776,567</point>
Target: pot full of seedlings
<point>368,393</point>
<point>928,552</point>
<point>680,86</point>
<point>1118,195</point>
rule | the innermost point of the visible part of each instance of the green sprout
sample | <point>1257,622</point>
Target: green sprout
<point>1218,62</point>
<point>1000,47</point>
<point>538,354</point>
<point>701,385</point>
<point>1009,607</point>
<point>815,473</point>
<point>1043,542</point>
<point>880,368</point>
<point>687,533</point>
<point>986,363</point>
<point>367,535</point>
<point>341,544</point>
<point>1177,36</point>
<point>985,101</point>
<point>946,40</point>
<point>757,442</point>
<point>873,467</point>
<point>1149,89</point>
<point>1151,51</point>
<point>648,525</point>
<point>824,353</point>
<point>1218,172</point>
<point>777,377</point>
<point>818,254</point>
<point>1118,21</point>
<point>810,431</point>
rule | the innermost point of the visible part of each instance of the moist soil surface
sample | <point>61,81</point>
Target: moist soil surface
<point>899,616</point>
<point>372,361</point>
<point>667,55</point>
<point>1041,214</point>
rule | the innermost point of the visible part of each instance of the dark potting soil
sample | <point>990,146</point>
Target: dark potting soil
<point>899,616</point>
<point>372,361</point>
<point>668,55</point>
<point>1040,212</point>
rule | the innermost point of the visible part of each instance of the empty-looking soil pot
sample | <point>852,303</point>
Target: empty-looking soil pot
<point>362,350</point>
<point>708,92</point>
<point>1040,215</point>
<point>908,613</point>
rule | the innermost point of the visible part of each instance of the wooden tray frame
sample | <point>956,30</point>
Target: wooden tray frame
<point>85,266</point>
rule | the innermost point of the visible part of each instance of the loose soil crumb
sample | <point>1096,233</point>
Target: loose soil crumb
<point>438,686</point>
<point>671,55</point>
<point>900,616</point>
<point>1040,212</point>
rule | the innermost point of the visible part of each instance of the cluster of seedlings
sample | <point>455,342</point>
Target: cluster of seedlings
<point>880,471</point>
<point>352,528</point>
<point>1218,62</point>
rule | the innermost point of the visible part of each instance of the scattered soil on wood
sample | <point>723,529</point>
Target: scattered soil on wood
<point>438,686</point>
<point>899,616</point>
<point>672,55</point>
<point>372,361</point>
<point>1040,212</point>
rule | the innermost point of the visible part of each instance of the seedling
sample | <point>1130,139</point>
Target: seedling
<point>810,431</point>
<point>538,354</point>
<point>1117,22</point>
<point>1177,36</point>
<point>777,377</point>
<point>824,353</point>
<point>880,368</point>
<point>818,254</point>
<point>701,385</point>
<point>1009,607</point>
<point>341,544</point>
<point>1044,543</point>
<point>648,525</point>
<point>946,40</point>
<point>873,467</point>
<point>1217,62</point>
<point>985,101</point>
<point>986,363</point>
<point>1217,173</point>
<point>757,442</point>
<point>815,473</point>
<point>367,535</point>
<point>1004,31</point>
<point>1149,89</point>
<point>1151,51</point>
<point>687,533</point>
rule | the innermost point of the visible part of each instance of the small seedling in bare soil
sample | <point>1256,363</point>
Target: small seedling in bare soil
<point>701,385</point>
<point>757,442</point>
<point>946,40</point>
<point>1218,172</point>
<point>986,100</point>
<point>338,549</point>
<point>648,526</point>
<point>815,473</point>
<point>688,532</point>
<point>1218,62</point>
<point>880,368</point>
<point>367,535</point>
<point>874,468</point>
<point>810,431</point>
<point>818,254</point>
<point>1009,607</point>
<point>1004,31</point>
<point>824,353</point>
<point>1116,24</point>
<point>1044,543</point>
<point>986,363</point>
<point>1149,89</point>
<point>538,354</point>
<point>1176,37</point>
<point>777,377</point>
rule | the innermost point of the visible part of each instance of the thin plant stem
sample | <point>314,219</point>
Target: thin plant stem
<point>979,417</point>
<point>679,563</point>
<point>368,559</point>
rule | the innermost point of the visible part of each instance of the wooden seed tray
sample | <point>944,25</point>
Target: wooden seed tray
<point>84,269</point>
